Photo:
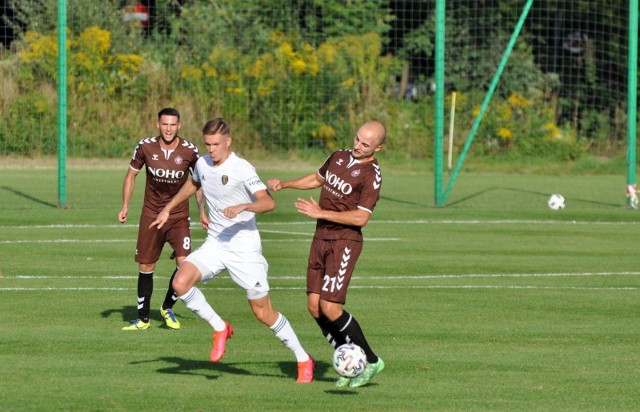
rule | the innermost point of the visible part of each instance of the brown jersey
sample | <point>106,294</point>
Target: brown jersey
<point>166,172</point>
<point>348,185</point>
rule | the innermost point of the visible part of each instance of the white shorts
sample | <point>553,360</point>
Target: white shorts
<point>247,269</point>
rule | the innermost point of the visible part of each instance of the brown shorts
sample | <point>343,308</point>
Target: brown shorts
<point>151,241</point>
<point>331,263</point>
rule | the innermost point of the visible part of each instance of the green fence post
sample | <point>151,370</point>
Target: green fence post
<point>487,98</point>
<point>632,97</point>
<point>62,103</point>
<point>438,152</point>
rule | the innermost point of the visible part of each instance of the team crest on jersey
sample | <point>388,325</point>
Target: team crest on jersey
<point>225,179</point>
<point>355,173</point>
<point>178,160</point>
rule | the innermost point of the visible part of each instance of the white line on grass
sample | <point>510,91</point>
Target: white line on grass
<point>442,276</point>
<point>403,277</point>
<point>624,288</point>
<point>372,222</point>
<point>285,232</point>
<point>400,277</point>
<point>499,222</point>
<point>13,242</point>
<point>500,287</point>
<point>506,275</point>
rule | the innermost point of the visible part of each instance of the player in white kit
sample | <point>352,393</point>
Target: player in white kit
<point>234,194</point>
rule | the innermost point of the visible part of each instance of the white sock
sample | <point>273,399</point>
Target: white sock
<point>283,331</point>
<point>195,300</point>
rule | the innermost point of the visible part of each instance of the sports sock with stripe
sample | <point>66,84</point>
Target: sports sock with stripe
<point>171,297</point>
<point>145,290</point>
<point>352,332</point>
<point>195,300</point>
<point>330,331</point>
<point>283,331</point>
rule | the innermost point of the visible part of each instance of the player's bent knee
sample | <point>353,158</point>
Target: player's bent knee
<point>314,312</point>
<point>262,309</point>
<point>187,276</point>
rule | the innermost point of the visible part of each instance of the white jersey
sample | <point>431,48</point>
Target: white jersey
<point>232,183</point>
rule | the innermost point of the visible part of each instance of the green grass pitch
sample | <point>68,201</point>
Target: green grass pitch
<point>492,303</point>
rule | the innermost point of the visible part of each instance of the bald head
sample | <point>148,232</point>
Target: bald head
<point>368,140</point>
<point>374,129</point>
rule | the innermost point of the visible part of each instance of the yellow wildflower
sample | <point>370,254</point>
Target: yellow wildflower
<point>298,66</point>
<point>256,69</point>
<point>504,133</point>
<point>276,37</point>
<point>326,132</point>
<point>264,91</point>
<point>518,101</point>
<point>327,53</point>
<point>552,131</point>
<point>40,106</point>
<point>348,82</point>
<point>94,40</point>
<point>38,47</point>
<point>129,62</point>
<point>505,111</point>
<point>286,50</point>
<point>209,70</point>
<point>232,77</point>
<point>191,73</point>
<point>235,90</point>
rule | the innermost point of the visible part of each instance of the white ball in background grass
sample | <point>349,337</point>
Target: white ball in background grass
<point>555,202</point>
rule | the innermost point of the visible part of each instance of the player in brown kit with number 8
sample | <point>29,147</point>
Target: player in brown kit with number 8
<point>168,159</point>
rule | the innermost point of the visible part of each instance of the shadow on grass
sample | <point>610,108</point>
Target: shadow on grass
<point>211,370</point>
<point>343,392</point>
<point>28,197</point>
<point>404,202</point>
<point>206,369</point>
<point>126,312</point>
<point>131,312</point>
<point>544,195</point>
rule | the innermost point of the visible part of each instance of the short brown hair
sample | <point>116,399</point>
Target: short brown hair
<point>216,126</point>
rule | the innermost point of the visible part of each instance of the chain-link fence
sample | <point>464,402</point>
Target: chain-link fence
<point>301,75</point>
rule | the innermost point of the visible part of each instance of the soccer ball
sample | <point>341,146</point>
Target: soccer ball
<point>555,202</point>
<point>349,360</point>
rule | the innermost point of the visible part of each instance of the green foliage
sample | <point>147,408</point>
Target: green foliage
<point>21,135</point>
<point>301,75</point>
<point>527,126</point>
<point>286,75</point>
<point>41,16</point>
<point>352,18</point>
<point>517,127</point>
<point>206,25</point>
<point>97,77</point>
<point>411,131</point>
<point>93,66</point>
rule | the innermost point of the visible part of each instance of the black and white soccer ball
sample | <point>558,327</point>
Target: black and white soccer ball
<point>349,360</point>
<point>555,202</point>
